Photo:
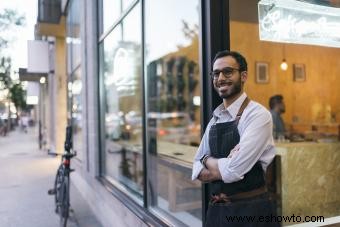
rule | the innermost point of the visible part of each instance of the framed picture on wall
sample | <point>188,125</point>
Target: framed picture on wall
<point>299,73</point>
<point>262,72</point>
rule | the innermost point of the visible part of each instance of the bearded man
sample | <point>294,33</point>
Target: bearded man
<point>235,150</point>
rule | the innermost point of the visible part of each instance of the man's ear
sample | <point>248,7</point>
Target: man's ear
<point>244,76</point>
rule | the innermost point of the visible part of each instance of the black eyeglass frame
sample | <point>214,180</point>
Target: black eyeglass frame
<point>227,72</point>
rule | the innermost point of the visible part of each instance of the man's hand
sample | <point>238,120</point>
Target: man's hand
<point>205,176</point>
<point>212,172</point>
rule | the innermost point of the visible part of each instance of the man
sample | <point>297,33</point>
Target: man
<point>236,149</point>
<point>277,107</point>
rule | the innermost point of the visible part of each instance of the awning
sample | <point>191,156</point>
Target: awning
<point>26,76</point>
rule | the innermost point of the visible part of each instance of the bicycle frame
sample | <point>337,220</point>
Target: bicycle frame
<point>61,188</point>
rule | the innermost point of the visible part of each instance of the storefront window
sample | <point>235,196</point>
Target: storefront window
<point>112,10</point>
<point>76,113</point>
<point>75,101</point>
<point>307,170</point>
<point>173,113</point>
<point>121,82</point>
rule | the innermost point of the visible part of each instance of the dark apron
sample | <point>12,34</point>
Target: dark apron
<point>223,137</point>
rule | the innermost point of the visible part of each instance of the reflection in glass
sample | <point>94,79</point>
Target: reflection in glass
<point>73,33</point>
<point>173,117</point>
<point>112,10</point>
<point>74,90</point>
<point>121,76</point>
<point>76,113</point>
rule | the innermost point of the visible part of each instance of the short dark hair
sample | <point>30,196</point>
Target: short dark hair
<point>274,100</point>
<point>236,55</point>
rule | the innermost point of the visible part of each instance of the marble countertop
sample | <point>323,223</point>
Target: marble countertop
<point>304,144</point>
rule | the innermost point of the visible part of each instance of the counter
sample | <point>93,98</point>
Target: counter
<point>308,178</point>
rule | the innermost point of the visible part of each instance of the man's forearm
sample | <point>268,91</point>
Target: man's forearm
<point>212,166</point>
<point>211,173</point>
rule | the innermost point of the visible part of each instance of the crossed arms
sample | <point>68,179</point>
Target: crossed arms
<point>256,144</point>
<point>212,172</point>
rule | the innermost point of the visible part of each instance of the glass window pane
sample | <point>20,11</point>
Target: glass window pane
<point>310,112</point>
<point>77,111</point>
<point>127,3</point>
<point>111,11</point>
<point>73,33</point>
<point>173,113</point>
<point>75,103</point>
<point>121,74</point>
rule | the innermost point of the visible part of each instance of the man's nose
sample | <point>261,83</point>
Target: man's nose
<point>219,75</point>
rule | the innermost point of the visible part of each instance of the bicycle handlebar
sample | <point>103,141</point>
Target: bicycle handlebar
<point>69,155</point>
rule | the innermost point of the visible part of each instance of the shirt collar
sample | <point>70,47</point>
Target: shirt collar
<point>232,109</point>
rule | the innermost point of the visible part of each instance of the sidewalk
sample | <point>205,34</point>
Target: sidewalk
<point>26,173</point>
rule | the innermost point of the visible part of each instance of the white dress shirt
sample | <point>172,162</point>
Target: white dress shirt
<point>256,140</point>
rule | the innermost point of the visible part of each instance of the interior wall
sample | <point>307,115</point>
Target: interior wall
<point>314,101</point>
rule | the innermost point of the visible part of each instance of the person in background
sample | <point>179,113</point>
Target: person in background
<point>277,108</point>
<point>24,119</point>
<point>235,150</point>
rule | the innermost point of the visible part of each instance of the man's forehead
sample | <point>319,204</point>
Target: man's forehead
<point>225,61</point>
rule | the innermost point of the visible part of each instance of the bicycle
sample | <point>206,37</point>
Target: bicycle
<point>61,189</point>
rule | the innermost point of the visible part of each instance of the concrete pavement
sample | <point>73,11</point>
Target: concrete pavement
<point>26,173</point>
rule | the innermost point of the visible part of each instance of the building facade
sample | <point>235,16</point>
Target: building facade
<point>132,78</point>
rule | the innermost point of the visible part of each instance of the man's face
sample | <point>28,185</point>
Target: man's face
<point>228,87</point>
<point>282,107</point>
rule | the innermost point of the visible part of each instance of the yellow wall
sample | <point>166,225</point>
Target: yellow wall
<point>311,101</point>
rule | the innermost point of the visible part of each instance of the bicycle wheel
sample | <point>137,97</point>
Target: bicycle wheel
<point>57,183</point>
<point>64,201</point>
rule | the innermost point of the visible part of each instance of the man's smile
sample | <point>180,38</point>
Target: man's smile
<point>224,85</point>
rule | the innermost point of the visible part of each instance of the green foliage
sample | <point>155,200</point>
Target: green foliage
<point>9,21</point>
<point>5,73</point>
<point>17,95</point>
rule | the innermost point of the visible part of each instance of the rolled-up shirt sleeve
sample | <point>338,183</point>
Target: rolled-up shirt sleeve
<point>255,141</point>
<point>203,149</point>
<point>196,170</point>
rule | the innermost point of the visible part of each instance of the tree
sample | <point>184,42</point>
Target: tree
<point>5,73</point>
<point>17,96</point>
<point>10,20</point>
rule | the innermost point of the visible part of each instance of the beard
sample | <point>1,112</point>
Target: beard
<point>233,90</point>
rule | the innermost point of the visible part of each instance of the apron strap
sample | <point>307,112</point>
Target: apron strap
<point>243,106</point>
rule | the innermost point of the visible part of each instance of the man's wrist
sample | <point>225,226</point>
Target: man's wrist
<point>203,160</point>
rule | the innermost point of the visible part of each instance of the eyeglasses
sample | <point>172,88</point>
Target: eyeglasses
<point>227,72</point>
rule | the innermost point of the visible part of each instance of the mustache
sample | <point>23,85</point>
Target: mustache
<point>224,83</point>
